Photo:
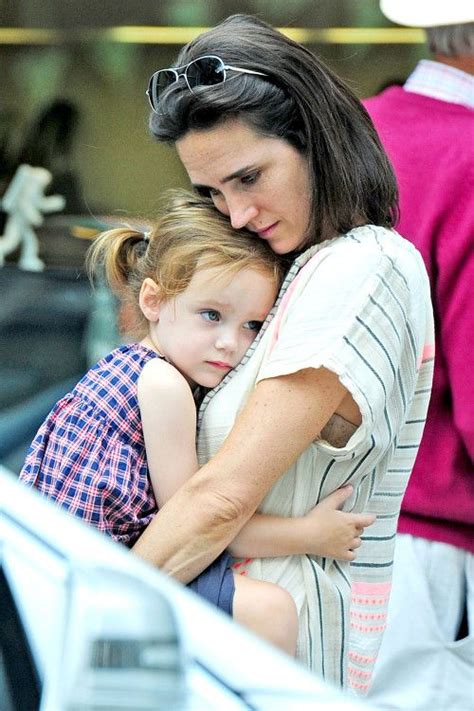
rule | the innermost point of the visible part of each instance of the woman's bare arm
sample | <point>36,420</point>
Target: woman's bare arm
<point>282,417</point>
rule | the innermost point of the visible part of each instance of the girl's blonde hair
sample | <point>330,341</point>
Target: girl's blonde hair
<point>189,235</point>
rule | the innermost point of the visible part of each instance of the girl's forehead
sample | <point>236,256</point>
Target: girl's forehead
<point>228,283</point>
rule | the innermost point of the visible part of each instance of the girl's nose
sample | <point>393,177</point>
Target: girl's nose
<point>226,341</point>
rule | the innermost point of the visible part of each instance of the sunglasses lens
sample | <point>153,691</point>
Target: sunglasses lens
<point>160,81</point>
<point>205,72</point>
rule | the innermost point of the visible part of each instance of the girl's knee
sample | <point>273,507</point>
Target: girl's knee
<point>269,610</point>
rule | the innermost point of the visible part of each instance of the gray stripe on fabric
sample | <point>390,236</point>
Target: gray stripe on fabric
<point>320,610</point>
<point>354,239</point>
<point>373,475</point>
<point>377,339</point>
<point>389,319</point>
<point>379,538</point>
<point>394,297</point>
<point>393,494</point>
<point>361,461</point>
<point>402,390</point>
<point>323,478</point>
<point>342,670</point>
<point>355,564</point>
<point>396,269</point>
<point>364,360</point>
<point>411,339</point>
<point>342,574</point>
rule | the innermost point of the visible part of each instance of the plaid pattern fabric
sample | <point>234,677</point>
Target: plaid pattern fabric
<point>440,81</point>
<point>89,454</point>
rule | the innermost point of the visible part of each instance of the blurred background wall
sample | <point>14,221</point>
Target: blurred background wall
<point>76,52</point>
<point>73,75</point>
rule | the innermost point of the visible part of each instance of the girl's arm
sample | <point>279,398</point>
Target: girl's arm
<point>168,416</point>
<point>281,418</point>
<point>325,531</point>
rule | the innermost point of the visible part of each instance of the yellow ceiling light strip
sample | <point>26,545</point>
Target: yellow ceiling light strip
<point>22,35</point>
<point>355,35</point>
<point>304,35</point>
<point>152,35</point>
<point>182,35</point>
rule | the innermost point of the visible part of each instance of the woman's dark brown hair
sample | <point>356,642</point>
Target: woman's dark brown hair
<point>299,100</point>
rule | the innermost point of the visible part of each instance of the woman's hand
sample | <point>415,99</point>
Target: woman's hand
<point>333,533</point>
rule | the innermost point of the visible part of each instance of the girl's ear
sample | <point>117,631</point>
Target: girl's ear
<point>150,300</point>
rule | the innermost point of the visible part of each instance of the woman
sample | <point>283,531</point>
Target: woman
<point>333,390</point>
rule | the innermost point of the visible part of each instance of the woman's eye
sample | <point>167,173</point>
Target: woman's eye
<point>253,325</point>
<point>210,315</point>
<point>205,192</point>
<point>251,178</point>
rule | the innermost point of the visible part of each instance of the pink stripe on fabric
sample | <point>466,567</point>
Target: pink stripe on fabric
<point>359,672</point>
<point>281,311</point>
<point>368,616</point>
<point>283,304</point>
<point>428,351</point>
<point>361,687</point>
<point>361,658</point>
<point>371,588</point>
<point>368,630</point>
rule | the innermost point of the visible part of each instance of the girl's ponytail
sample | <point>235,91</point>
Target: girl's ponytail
<point>116,254</point>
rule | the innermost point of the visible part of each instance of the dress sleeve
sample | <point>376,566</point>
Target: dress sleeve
<point>351,312</point>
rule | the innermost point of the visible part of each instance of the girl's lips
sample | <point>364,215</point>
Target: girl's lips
<point>220,364</point>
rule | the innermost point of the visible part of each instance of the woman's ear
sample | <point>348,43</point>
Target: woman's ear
<point>150,300</point>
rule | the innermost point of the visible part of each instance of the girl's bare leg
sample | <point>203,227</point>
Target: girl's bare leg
<point>268,610</point>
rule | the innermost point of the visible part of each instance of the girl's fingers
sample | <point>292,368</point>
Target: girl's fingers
<point>364,520</point>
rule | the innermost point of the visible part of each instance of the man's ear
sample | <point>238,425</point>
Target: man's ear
<point>150,300</point>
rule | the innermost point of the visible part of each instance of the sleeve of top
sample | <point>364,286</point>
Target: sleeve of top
<point>351,314</point>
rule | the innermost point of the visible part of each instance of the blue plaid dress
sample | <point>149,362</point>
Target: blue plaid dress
<point>89,457</point>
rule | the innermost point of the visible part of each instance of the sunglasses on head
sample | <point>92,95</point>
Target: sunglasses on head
<point>203,71</point>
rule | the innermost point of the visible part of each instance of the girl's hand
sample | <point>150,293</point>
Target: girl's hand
<point>333,533</point>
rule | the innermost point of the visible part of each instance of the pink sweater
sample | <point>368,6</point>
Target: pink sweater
<point>431,145</point>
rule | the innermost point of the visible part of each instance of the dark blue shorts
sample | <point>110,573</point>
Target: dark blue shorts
<point>216,583</point>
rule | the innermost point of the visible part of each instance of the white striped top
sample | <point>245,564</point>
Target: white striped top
<point>358,305</point>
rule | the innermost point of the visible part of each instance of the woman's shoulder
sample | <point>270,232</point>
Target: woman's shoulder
<point>363,249</point>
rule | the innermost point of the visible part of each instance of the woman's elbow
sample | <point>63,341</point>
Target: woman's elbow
<point>223,509</point>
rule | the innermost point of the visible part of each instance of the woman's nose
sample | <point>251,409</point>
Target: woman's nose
<point>241,213</point>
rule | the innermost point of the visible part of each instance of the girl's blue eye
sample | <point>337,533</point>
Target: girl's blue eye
<point>210,315</point>
<point>253,325</point>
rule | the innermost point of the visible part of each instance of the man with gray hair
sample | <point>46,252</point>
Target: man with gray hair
<point>427,128</point>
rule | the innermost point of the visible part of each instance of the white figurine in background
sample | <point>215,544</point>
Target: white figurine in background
<point>25,202</point>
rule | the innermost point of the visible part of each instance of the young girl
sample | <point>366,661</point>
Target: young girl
<point>116,448</point>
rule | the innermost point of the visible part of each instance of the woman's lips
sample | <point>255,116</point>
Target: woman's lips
<point>220,364</point>
<point>267,230</point>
